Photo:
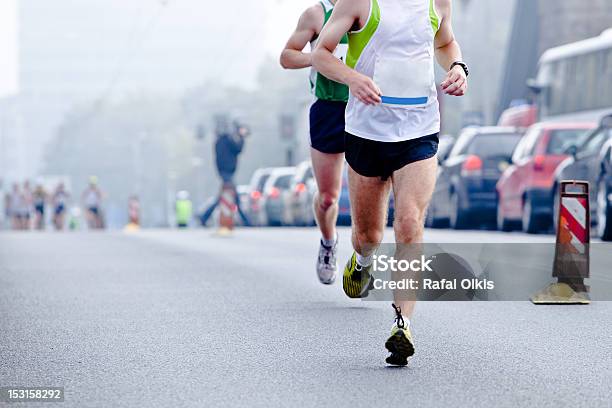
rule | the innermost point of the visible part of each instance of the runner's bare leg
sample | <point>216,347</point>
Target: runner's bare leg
<point>413,188</point>
<point>327,169</point>
<point>369,204</point>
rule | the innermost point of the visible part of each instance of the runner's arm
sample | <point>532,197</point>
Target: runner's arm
<point>448,51</point>
<point>293,55</point>
<point>346,14</point>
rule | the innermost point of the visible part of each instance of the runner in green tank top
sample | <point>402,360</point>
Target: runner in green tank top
<point>321,87</point>
<point>326,130</point>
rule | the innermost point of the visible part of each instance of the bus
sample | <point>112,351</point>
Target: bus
<point>574,81</point>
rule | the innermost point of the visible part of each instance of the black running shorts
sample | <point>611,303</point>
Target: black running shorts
<point>371,158</point>
<point>327,126</point>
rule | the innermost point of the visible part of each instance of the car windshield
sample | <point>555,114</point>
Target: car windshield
<point>561,140</point>
<point>262,182</point>
<point>488,145</point>
<point>283,182</point>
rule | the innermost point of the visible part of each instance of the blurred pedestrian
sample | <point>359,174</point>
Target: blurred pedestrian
<point>27,205</point>
<point>228,147</point>
<point>183,209</point>
<point>92,203</point>
<point>17,208</point>
<point>39,199</point>
<point>7,209</point>
<point>134,210</point>
<point>59,201</point>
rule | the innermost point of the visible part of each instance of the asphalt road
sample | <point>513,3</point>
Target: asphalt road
<point>173,319</point>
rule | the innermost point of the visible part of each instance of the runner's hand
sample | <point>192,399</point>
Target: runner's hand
<point>364,89</point>
<point>455,83</point>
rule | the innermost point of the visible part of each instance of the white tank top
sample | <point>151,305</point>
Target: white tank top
<point>396,49</point>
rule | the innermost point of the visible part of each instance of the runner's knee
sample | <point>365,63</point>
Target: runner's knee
<point>409,226</point>
<point>327,200</point>
<point>368,238</point>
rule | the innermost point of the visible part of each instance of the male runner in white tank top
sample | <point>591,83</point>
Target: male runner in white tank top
<point>392,125</point>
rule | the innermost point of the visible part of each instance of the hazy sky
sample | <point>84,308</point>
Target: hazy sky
<point>8,47</point>
<point>281,17</point>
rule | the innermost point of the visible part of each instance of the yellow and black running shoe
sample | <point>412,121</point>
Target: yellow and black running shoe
<point>357,280</point>
<point>400,343</point>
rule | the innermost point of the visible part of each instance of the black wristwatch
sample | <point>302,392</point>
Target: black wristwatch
<point>462,65</point>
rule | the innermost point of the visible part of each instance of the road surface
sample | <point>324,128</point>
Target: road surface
<point>170,319</point>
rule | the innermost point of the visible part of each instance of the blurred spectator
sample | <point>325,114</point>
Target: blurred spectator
<point>7,207</point>
<point>17,208</point>
<point>92,202</point>
<point>59,202</point>
<point>134,210</point>
<point>26,209</point>
<point>227,149</point>
<point>39,199</point>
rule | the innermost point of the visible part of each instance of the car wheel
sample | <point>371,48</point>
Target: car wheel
<point>429,219</point>
<point>604,212</point>
<point>458,216</point>
<point>529,219</point>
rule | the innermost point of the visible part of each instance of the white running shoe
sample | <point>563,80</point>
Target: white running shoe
<point>327,264</point>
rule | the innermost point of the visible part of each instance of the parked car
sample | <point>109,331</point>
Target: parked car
<point>525,188</point>
<point>592,162</point>
<point>278,182</point>
<point>445,146</point>
<point>468,177</point>
<point>344,202</point>
<point>255,210</point>
<point>299,197</point>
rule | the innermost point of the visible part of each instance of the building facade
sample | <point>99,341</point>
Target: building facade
<point>541,25</point>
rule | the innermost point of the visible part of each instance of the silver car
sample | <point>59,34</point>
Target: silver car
<point>298,199</point>
<point>255,209</point>
<point>272,201</point>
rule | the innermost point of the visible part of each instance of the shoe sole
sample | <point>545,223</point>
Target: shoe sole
<point>359,291</point>
<point>330,282</point>
<point>401,348</point>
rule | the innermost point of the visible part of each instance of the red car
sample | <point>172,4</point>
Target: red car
<point>525,188</point>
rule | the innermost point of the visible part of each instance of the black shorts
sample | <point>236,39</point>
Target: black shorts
<point>327,126</point>
<point>370,158</point>
<point>60,209</point>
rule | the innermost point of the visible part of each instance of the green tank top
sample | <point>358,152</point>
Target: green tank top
<point>321,87</point>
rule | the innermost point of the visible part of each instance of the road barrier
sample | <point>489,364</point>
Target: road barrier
<point>572,258</point>
<point>227,209</point>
